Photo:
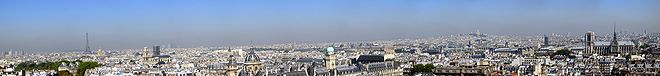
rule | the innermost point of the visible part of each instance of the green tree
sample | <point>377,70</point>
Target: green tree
<point>82,67</point>
<point>420,68</point>
<point>63,73</point>
<point>645,46</point>
<point>563,52</point>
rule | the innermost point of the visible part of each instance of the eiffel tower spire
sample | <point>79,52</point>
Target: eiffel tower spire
<point>87,49</point>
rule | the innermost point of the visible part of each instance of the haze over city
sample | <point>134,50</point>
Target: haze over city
<point>329,38</point>
<point>117,24</point>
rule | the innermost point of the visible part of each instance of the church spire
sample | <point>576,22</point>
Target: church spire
<point>614,46</point>
<point>614,38</point>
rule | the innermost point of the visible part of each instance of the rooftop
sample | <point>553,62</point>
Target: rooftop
<point>607,43</point>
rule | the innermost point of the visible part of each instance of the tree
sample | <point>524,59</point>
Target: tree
<point>419,68</point>
<point>82,67</point>
<point>628,56</point>
<point>645,46</point>
<point>563,52</point>
<point>63,73</point>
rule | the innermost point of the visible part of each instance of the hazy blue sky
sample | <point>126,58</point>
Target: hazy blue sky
<point>61,24</point>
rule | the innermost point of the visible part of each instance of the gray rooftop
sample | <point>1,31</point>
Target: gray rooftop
<point>607,43</point>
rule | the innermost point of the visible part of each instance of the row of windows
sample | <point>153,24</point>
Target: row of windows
<point>603,49</point>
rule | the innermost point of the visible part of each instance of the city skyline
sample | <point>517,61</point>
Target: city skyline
<point>135,24</point>
<point>602,36</point>
<point>330,38</point>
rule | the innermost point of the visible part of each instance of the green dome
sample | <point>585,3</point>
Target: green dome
<point>330,50</point>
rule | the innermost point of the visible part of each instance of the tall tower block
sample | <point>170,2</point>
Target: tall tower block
<point>546,41</point>
<point>156,51</point>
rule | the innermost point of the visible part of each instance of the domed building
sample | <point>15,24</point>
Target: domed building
<point>252,65</point>
<point>330,59</point>
<point>232,67</point>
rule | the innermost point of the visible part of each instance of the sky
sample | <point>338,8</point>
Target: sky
<point>118,24</point>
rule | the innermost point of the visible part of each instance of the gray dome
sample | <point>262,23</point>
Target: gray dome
<point>252,57</point>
